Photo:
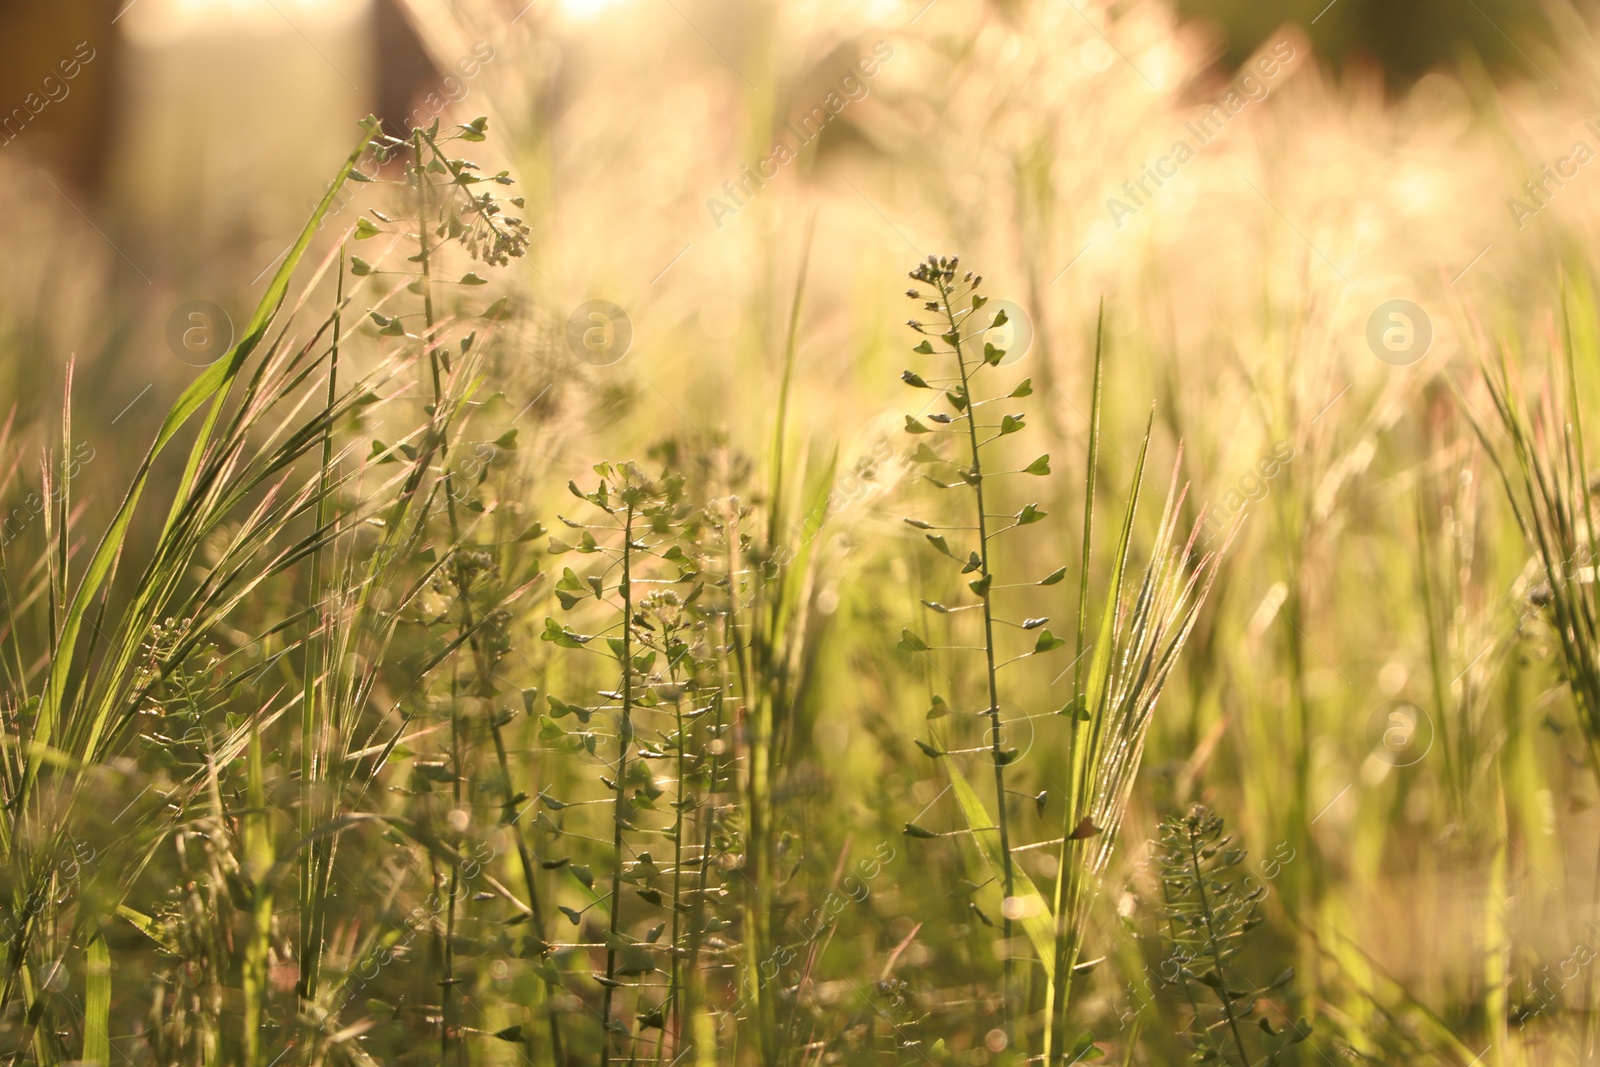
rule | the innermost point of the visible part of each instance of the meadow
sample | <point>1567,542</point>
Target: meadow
<point>863,534</point>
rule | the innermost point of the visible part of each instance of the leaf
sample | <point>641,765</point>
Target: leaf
<point>1030,515</point>
<point>1010,424</point>
<point>913,426</point>
<point>939,709</point>
<point>1047,642</point>
<point>1039,466</point>
<point>97,1004</point>
<point>915,380</point>
<point>980,586</point>
<point>471,278</point>
<point>938,542</point>
<point>910,642</point>
<point>924,454</point>
<point>211,386</point>
<point>1024,388</point>
<point>436,772</point>
<point>924,349</point>
<point>1039,926</point>
<point>365,228</point>
<point>1053,577</point>
<point>360,267</point>
<point>1084,830</point>
<point>1084,1049</point>
<point>927,749</point>
<point>918,832</point>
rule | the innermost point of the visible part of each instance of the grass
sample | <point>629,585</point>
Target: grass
<point>422,693</point>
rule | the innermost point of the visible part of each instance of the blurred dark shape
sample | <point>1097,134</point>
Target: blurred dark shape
<point>404,70</point>
<point>59,69</point>
<point>1405,39</point>
<point>58,72</point>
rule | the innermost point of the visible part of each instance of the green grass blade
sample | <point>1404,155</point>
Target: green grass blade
<point>97,1005</point>
<point>1036,923</point>
<point>211,385</point>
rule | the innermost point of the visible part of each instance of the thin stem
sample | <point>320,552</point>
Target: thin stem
<point>624,736</point>
<point>677,866</point>
<point>996,732</point>
<point>1211,943</point>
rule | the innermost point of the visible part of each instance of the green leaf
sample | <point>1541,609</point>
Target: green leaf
<point>1038,466</point>
<point>938,542</point>
<point>912,830</point>
<point>924,349</point>
<point>1047,642</point>
<point>1024,388</point>
<point>97,1004</point>
<point>939,708</point>
<point>471,278</point>
<point>212,386</point>
<point>1084,1050</point>
<point>915,380</point>
<point>365,228</point>
<point>913,426</point>
<point>910,642</point>
<point>1038,925</point>
<point>360,267</point>
<point>1029,515</point>
<point>1010,424</point>
<point>980,586</point>
<point>924,454</point>
<point>927,749</point>
<point>1054,577</point>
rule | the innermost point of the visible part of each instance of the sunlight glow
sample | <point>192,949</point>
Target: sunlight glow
<point>156,22</point>
<point>586,8</point>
